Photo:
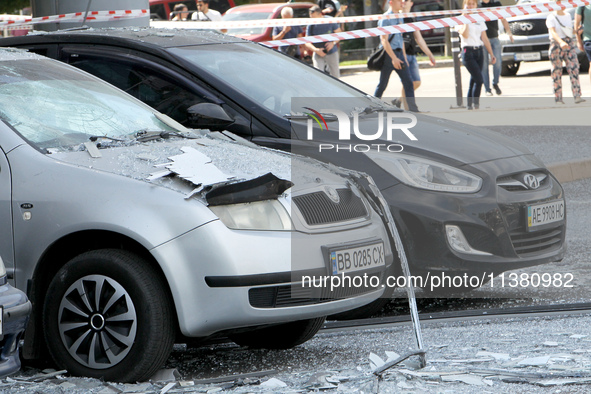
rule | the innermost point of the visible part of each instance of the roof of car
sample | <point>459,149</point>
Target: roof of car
<point>266,7</point>
<point>165,38</point>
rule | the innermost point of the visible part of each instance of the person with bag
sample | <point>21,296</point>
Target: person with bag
<point>583,31</point>
<point>325,55</point>
<point>560,28</point>
<point>395,58</point>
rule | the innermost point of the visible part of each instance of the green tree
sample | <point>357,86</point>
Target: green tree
<point>13,6</point>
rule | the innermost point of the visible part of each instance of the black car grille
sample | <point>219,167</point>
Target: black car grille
<point>517,182</point>
<point>317,208</point>
<point>529,27</point>
<point>526,243</point>
<point>297,295</point>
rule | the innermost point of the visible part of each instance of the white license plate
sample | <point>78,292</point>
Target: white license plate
<point>527,56</point>
<point>357,259</point>
<point>541,214</point>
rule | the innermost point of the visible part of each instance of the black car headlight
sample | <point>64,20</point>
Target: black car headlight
<point>427,174</point>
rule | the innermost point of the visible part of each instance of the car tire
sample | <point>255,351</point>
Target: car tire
<point>510,69</point>
<point>281,336</point>
<point>108,315</point>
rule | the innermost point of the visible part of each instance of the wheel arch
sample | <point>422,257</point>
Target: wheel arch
<point>56,256</point>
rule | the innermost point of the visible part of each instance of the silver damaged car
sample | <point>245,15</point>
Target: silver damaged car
<point>129,232</point>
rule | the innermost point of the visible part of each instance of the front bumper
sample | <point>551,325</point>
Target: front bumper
<point>16,312</point>
<point>492,220</point>
<point>212,270</point>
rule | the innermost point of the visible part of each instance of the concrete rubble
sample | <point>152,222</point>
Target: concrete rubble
<point>481,356</point>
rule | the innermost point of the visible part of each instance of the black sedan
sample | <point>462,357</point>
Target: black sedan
<point>465,200</point>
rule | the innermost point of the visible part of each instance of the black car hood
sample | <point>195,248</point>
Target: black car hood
<point>448,141</point>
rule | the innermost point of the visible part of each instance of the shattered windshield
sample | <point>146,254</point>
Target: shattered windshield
<point>268,77</point>
<point>55,106</point>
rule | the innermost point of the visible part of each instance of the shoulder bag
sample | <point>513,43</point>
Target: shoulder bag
<point>375,61</point>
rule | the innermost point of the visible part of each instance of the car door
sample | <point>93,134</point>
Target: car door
<point>158,84</point>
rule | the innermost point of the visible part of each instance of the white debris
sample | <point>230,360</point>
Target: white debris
<point>167,388</point>
<point>375,361</point>
<point>166,375</point>
<point>392,356</point>
<point>496,356</point>
<point>274,383</point>
<point>465,378</point>
<point>550,344</point>
<point>534,361</point>
<point>577,336</point>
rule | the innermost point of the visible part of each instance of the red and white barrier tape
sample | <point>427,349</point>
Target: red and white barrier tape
<point>78,17</point>
<point>482,16</point>
<point>507,11</point>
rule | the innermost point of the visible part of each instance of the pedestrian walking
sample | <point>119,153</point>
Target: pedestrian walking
<point>583,31</point>
<point>411,40</point>
<point>393,44</point>
<point>473,38</point>
<point>562,49</point>
<point>492,32</point>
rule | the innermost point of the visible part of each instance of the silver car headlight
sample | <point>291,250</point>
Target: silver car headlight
<point>259,215</point>
<point>427,174</point>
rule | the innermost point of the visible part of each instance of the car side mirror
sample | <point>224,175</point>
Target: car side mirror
<point>208,116</point>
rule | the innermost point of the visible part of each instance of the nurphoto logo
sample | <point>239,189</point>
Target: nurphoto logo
<point>387,123</point>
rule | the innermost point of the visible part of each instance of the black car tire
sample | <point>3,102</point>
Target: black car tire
<point>510,69</point>
<point>124,313</point>
<point>281,336</point>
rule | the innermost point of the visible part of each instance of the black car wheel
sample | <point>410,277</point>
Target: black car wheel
<point>510,69</point>
<point>281,336</point>
<point>108,315</point>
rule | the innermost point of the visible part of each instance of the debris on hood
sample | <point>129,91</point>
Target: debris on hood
<point>266,187</point>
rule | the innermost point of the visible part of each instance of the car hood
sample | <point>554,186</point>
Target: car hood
<point>437,138</point>
<point>190,166</point>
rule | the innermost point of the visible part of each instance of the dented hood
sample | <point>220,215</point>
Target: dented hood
<point>196,166</point>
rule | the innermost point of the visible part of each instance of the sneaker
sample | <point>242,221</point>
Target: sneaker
<point>469,108</point>
<point>561,102</point>
<point>497,89</point>
<point>579,100</point>
<point>476,106</point>
<point>488,93</point>
<point>397,103</point>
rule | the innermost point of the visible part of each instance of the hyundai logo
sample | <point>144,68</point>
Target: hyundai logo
<point>526,26</point>
<point>332,194</point>
<point>531,181</point>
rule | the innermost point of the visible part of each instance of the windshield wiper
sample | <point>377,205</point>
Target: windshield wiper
<point>326,116</point>
<point>144,135</point>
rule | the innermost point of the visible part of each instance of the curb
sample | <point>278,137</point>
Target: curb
<point>347,70</point>
<point>572,170</point>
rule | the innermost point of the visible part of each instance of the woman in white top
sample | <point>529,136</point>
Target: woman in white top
<point>472,37</point>
<point>562,48</point>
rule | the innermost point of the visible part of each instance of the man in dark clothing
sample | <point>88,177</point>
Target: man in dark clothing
<point>328,7</point>
<point>286,32</point>
<point>492,32</point>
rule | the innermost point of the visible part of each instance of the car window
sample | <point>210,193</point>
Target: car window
<point>54,107</point>
<point>150,86</point>
<point>260,74</point>
<point>246,16</point>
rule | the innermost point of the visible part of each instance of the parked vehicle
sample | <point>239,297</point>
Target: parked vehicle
<point>127,229</point>
<point>461,196</point>
<point>15,309</point>
<point>531,41</point>
<point>162,9</point>
<point>250,12</point>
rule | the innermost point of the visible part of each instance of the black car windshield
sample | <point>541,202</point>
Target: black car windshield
<point>246,16</point>
<point>268,77</point>
<point>56,106</point>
